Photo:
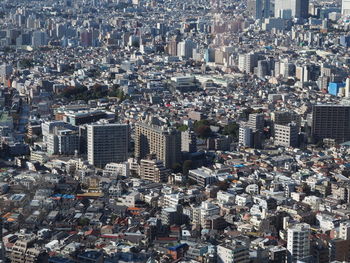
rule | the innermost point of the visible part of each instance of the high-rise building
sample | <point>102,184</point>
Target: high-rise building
<point>107,143</point>
<point>259,8</point>
<point>188,141</point>
<point>345,7</point>
<point>298,242</point>
<point>296,8</point>
<point>286,135</point>
<point>331,121</point>
<point>39,38</point>
<point>165,143</point>
<point>246,136</point>
<point>247,62</point>
<point>256,121</point>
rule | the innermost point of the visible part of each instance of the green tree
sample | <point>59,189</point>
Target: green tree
<point>182,128</point>
<point>83,221</point>
<point>203,131</point>
<point>177,168</point>
<point>187,165</point>
<point>231,129</point>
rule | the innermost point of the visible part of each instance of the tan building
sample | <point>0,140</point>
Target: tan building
<point>23,252</point>
<point>165,143</point>
<point>153,170</point>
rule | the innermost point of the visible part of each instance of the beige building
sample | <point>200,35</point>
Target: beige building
<point>165,143</point>
<point>286,135</point>
<point>153,170</point>
<point>23,252</point>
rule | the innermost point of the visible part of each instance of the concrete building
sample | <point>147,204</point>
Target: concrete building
<point>208,209</point>
<point>259,8</point>
<point>246,136</point>
<point>165,143</point>
<point>331,121</point>
<point>247,62</point>
<point>344,230</point>
<point>188,141</point>
<point>286,135</point>
<point>235,252</point>
<point>153,170</point>
<point>256,121</point>
<point>345,7</point>
<point>298,242</point>
<point>107,143</point>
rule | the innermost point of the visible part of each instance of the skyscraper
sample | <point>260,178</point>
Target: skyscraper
<point>165,143</point>
<point>296,8</point>
<point>331,121</point>
<point>107,143</point>
<point>259,9</point>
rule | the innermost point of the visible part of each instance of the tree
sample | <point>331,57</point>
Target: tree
<point>231,129</point>
<point>177,168</point>
<point>203,131</point>
<point>187,165</point>
<point>84,221</point>
<point>182,128</point>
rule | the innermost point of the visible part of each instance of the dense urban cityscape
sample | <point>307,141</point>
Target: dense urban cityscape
<point>159,131</point>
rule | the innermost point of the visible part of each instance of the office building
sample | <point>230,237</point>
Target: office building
<point>286,135</point>
<point>107,143</point>
<point>259,9</point>
<point>298,242</point>
<point>331,121</point>
<point>294,8</point>
<point>39,38</point>
<point>63,141</point>
<point>165,143</point>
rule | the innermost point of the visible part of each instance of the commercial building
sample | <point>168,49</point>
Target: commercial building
<point>107,143</point>
<point>331,121</point>
<point>286,135</point>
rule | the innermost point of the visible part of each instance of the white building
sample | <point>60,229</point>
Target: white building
<point>298,242</point>
<point>345,7</point>
<point>246,136</point>
<point>233,253</point>
<point>115,169</point>
<point>344,230</point>
<point>208,209</point>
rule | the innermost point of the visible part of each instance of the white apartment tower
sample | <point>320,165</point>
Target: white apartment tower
<point>298,242</point>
